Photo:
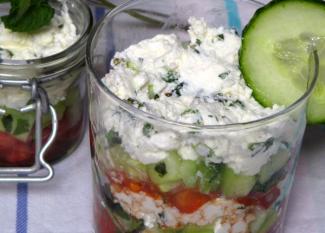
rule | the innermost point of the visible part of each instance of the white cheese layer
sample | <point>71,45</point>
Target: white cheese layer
<point>197,83</point>
<point>52,39</point>
<point>227,215</point>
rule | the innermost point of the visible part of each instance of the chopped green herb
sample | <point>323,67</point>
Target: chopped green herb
<point>28,15</point>
<point>130,65</point>
<point>211,176</point>
<point>60,26</point>
<point>151,93</point>
<point>7,122</point>
<point>197,51</point>
<point>224,75</point>
<point>178,88</point>
<point>160,168</point>
<point>117,61</point>
<point>258,147</point>
<point>220,98</point>
<point>135,103</point>
<point>221,37</point>
<point>147,130</point>
<point>189,111</point>
<point>198,42</point>
<point>237,103</point>
<point>113,138</point>
<point>198,122</point>
<point>194,47</point>
<point>171,76</point>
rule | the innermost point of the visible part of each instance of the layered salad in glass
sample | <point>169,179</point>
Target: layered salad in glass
<point>35,51</point>
<point>156,178</point>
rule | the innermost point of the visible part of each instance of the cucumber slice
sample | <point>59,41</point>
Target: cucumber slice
<point>17,124</point>
<point>198,229</point>
<point>166,187</point>
<point>166,171</point>
<point>276,162</point>
<point>236,185</point>
<point>269,221</point>
<point>188,171</point>
<point>275,53</point>
<point>209,176</point>
<point>258,222</point>
<point>124,162</point>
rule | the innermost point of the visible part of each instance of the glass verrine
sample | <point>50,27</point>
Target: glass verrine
<point>62,76</point>
<point>178,193</point>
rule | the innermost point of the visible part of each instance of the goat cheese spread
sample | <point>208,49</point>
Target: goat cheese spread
<point>52,39</point>
<point>199,83</point>
<point>174,168</point>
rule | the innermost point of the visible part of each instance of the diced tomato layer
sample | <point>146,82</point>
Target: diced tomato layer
<point>121,181</point>
<point>14,152</point>
<point>188,200</point>
<point>260,199</point>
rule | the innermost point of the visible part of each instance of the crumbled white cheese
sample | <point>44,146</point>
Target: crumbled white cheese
<point>198,83</point>
<point>52,39</point>
<point>155,211</point>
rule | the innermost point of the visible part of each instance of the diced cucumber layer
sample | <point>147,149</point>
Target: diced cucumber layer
<point>17,123</point>
<point>166,171</point>
<point>269,221</point>
<point>186,229</point>
<point>172,171</point>
<point>234,185</point>
<point>198,229</point>
<point>188,172</point>
<point>209,176</point>
<point>256,225</point>
<point>264,221</point>
<point>124,162</point>
<point>275,54</point>
<point>276,162</point>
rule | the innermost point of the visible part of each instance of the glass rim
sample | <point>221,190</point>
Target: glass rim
<point>146,116</point>
<point>68,52</point>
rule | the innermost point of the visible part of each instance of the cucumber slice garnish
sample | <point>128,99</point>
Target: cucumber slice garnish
<point>275,54</point>
<point>235,185</point>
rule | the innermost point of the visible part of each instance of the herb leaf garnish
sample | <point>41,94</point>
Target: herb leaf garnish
<point>27,15</point>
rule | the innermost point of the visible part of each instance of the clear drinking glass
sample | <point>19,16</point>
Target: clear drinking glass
<point>62,78</point>
<point>193,196</point>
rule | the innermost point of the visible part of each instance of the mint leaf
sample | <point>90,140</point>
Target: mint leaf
<point>7,122</point>
<point>28,15</point>
<point>22,127</point>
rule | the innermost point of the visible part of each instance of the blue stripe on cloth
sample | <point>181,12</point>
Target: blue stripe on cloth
<point>99,13</point>
<point>233,16</point>
<point>21,211</point>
